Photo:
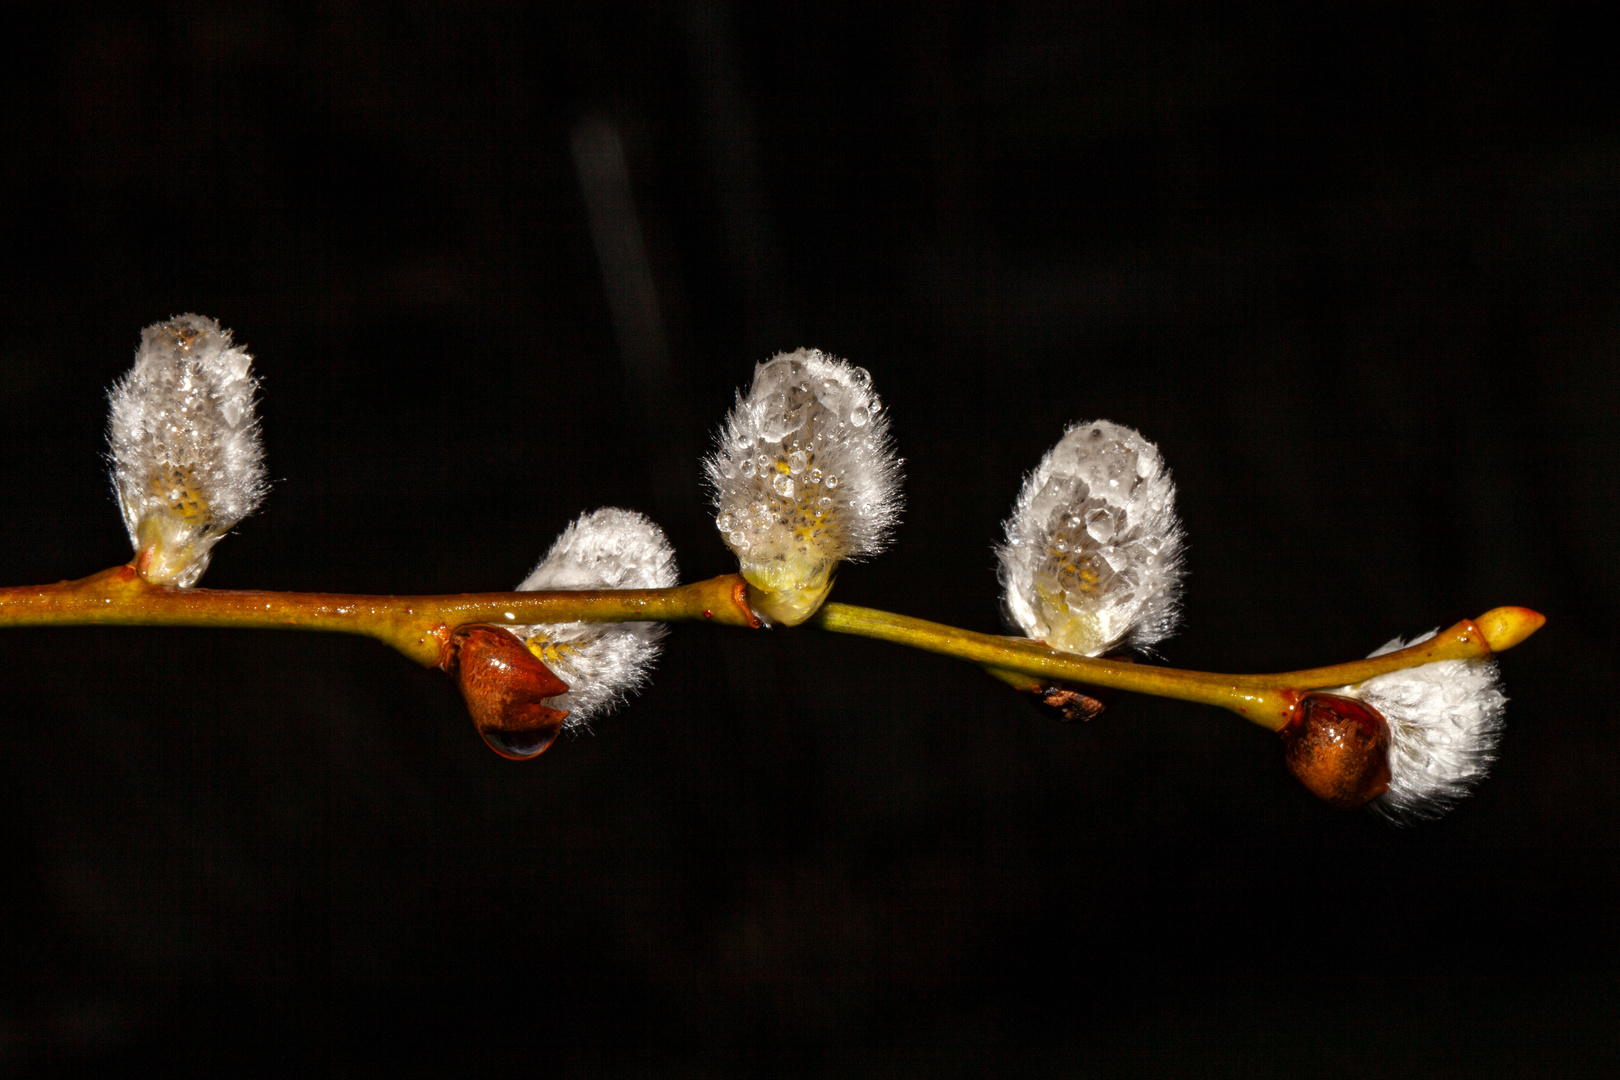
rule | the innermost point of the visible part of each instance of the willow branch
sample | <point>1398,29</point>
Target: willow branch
<point>1267,700</point>
<point>420,626</point>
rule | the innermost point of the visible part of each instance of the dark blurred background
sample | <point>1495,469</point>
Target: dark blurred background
<point>1353,267</point>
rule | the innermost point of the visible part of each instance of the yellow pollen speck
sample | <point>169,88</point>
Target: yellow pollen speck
<point>178,489</point>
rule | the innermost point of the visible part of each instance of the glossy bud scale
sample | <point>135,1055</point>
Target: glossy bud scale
<point>1338,748</point>
<point>506,689</point>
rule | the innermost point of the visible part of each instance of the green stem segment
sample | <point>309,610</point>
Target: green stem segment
<point>1268,700</point>
<point>420,627</point>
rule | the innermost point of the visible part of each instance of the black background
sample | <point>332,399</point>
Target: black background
<point>1352,267</point>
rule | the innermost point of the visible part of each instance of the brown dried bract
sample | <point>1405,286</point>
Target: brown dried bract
<point>505,687</point>
<point>1338,747</point>
<point>1070,704</point>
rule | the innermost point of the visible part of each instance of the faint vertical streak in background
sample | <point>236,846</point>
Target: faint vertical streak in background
<point>734,151</point>
<point>638,321</point>
<point>604,180</point>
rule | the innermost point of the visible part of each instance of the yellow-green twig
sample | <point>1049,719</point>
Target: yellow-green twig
<point>419,626</point>
<point>1268,700</point>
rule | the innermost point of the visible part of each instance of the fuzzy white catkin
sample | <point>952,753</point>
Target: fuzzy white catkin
<point>1445,720</point>
<point>1093,553</point>
<point>602,663</point>
<point>187,464</point>
<point>805,475</point>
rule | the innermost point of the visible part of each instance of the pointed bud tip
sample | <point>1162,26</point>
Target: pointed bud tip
<point>1505,627</point>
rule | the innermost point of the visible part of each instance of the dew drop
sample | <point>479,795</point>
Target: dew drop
<point>764,464</point>
<point>814,477</point>
<point>520,745</point>
<point>777,422</point>
<point>739,539</point>
<point>724,521</point>
<point>858,416</point>
<point>1062,547</point>
<point>796,462</point>
<point>1101,526</point>
<point>783,485</point>
<point>832,482</point>
<point>861,377</point>
<point>748,467</point>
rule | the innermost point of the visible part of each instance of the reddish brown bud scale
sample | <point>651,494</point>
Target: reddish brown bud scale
<point>1338,747</point>
<point>739,599</point>
<point>505,687</point>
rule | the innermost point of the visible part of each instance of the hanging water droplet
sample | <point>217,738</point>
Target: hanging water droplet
<point>861,377</point>
<point>814,477</point>
<point>748,467</point>
<point>796,461</point>
<point>739,539</point>
<point>858,416</point>
<point>783,485</point>
<point>724,522</point>
<point>521,745</point>
<point>832,482</point>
